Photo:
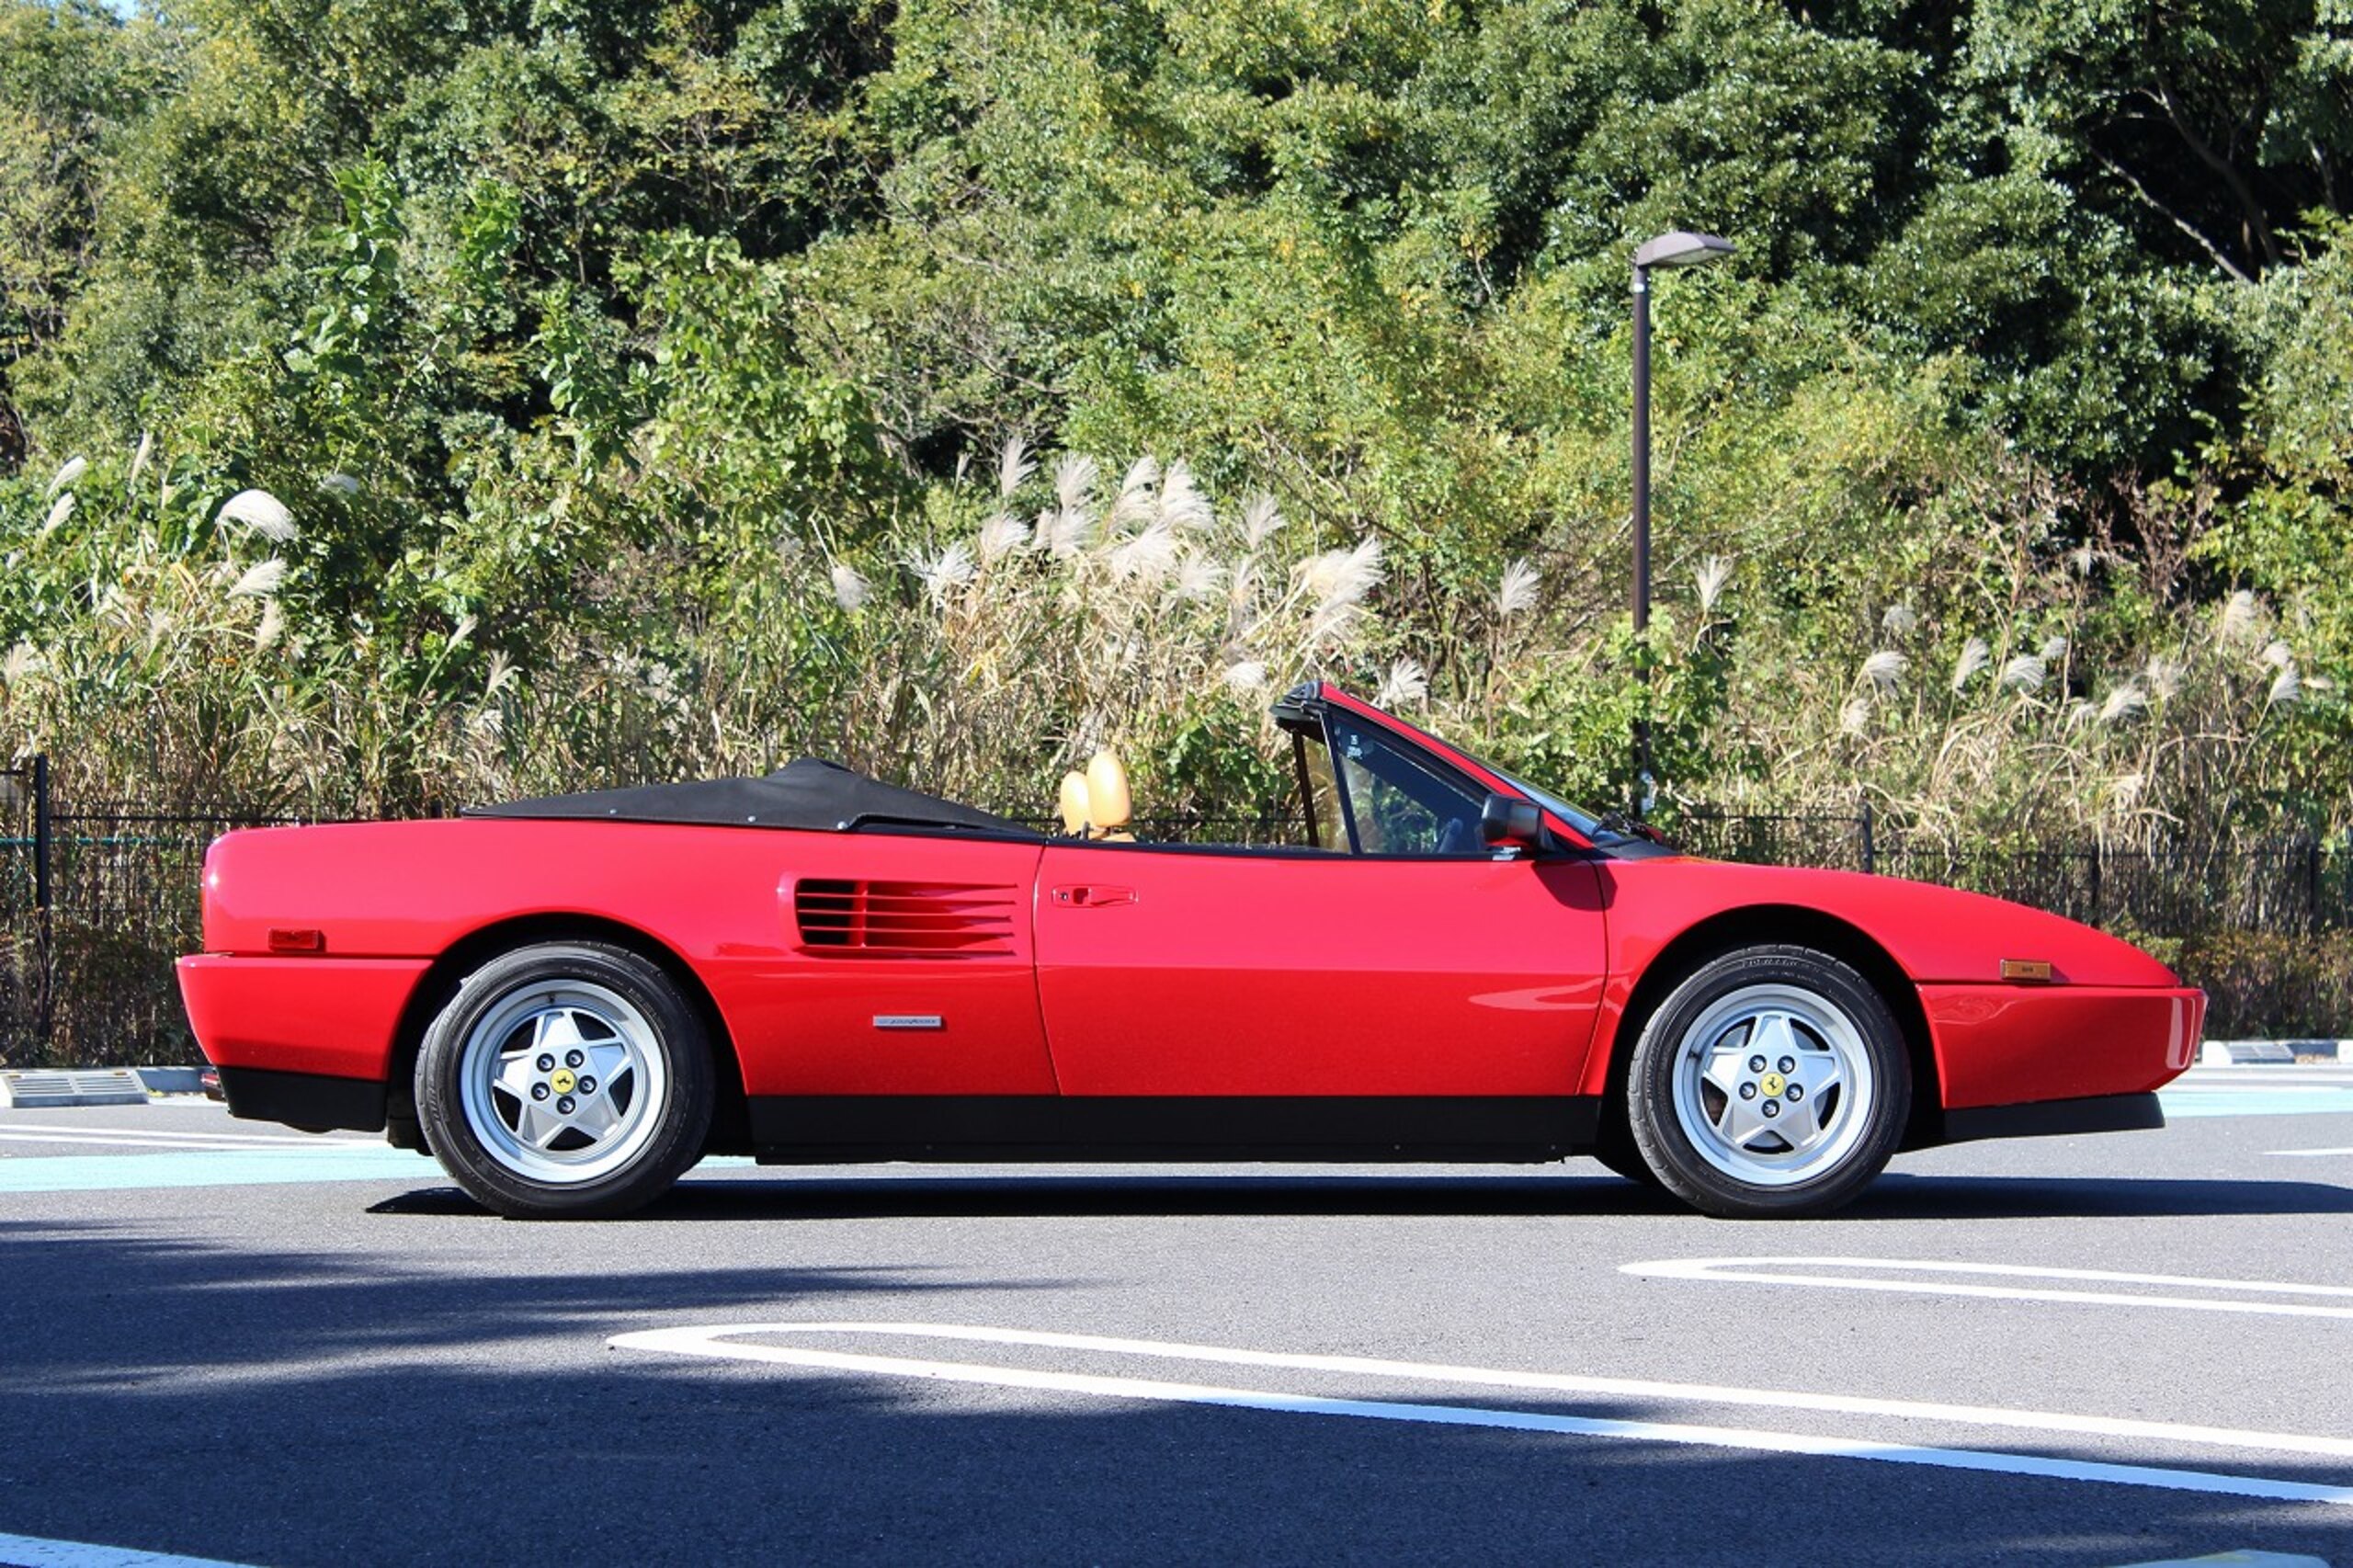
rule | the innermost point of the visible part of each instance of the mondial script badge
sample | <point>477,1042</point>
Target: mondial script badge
<point>563,1081</point>
<point>1774,1083</point>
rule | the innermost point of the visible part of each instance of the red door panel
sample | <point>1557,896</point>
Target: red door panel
<point>902,968</point>
<point>1174,972</point>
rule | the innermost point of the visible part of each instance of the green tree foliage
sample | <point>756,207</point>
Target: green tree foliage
<point>633,389</point>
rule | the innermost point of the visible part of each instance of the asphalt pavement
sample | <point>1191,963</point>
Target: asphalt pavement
<point>232,1341</point>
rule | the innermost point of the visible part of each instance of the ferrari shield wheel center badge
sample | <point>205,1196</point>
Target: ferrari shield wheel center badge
<point>563,1081</point>
<point>1774,1083</point>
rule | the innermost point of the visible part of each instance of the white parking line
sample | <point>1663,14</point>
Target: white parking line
<point>2313,1152</point>
<point>139,1134</point>
<point>186,1141</point>
<point>724,1341</point>
<point>37,1551</point>
<point>1776,1271</point>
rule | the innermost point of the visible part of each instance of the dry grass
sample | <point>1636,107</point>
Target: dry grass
<point>1048,611</point>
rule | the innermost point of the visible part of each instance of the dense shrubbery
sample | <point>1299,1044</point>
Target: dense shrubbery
<point>470,397</point>
<point>2265,984</point>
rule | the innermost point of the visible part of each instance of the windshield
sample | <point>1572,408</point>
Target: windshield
<point>1596,828</point>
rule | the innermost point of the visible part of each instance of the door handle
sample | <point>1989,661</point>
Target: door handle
<point>1092,895</point>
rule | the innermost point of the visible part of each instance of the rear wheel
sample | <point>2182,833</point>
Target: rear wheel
<point>1772,1081</point>
<point>565,1081</point>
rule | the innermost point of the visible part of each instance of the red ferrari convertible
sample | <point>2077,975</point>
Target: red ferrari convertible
<point>571,1001</point>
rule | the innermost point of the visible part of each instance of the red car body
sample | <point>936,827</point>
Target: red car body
<point>1096,999</point>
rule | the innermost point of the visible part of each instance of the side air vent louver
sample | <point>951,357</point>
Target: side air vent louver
<point>897,919</point>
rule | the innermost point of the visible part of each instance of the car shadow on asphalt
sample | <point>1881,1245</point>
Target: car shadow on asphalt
<point>1895,1197</point>
<point>1108,1195</point>
<point>1899,1196</point>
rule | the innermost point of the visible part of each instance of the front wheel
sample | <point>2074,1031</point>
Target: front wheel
<point>565,1081</point>
<point>1772,1082</point>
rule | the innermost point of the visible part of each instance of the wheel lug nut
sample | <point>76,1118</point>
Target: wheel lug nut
<point>1796,1094</point>
<point>1748,1091</point>
<point>538,1091</point>
<point>565,1105</point>
<point>1756,1065</point>
<point>1772,1108</point>
<point>573,1059</point>
<point>547,1063</point>
<point>1788,1065</point>
<point>588,1086</point>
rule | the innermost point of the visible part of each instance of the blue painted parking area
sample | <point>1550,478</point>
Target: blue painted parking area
<point>187,1143</point>
<point>212,1167</point>
<point>2311,1089</point>
<point>190,1143</point>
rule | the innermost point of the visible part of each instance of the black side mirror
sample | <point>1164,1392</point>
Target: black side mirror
<point>1508,819</point>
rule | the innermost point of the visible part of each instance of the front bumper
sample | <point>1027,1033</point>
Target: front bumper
<point>2009,1045</point>
<point>2048,1119</point>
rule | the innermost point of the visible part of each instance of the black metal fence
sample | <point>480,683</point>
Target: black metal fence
<point>97,899</point>
<point>2291,885</point>
<point>24,902</point>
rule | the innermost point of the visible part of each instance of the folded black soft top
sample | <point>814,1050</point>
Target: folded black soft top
<point>805,793</point>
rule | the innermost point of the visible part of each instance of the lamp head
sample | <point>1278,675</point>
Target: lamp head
<point>1680,248</point>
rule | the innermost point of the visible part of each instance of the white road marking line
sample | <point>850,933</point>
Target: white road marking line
<point>37,1551</point>
<point>86,1141</point>
<point>2313,1151</point>
<point>191,1141</point>
<point>722,1341</point>
<point>143,1133</point>
<point>1774,1271</point>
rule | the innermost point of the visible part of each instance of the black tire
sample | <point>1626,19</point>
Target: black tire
<point>1615,1149</point>
<point>524,1130</point>
<point>1836,1084</point>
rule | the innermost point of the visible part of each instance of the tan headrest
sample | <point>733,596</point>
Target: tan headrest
<point>1107,804</point>
<point>1073,803</point>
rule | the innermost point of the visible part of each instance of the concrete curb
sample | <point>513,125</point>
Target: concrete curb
<point>31,1091</point>
<point>2250,1052</point>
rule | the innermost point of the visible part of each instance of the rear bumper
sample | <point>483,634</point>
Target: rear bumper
<point>2007,1045</point>
<point>328,1017</point>
<point>312,1101</point>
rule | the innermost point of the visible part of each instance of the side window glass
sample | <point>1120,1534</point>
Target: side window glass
<point>1325,829</point>
<point>1399,806</point>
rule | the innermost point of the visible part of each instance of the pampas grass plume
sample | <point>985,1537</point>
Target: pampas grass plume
<point>1518,590</point>
<point>1974,656</point>
<point>1407,682</point>
<point>850,588</point>
<point>1710,579</point>
<point>263,512</point>
<point>261,579</point>
<point>1014,465</point>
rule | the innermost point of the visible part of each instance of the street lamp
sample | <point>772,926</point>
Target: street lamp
<point>1679,248</point>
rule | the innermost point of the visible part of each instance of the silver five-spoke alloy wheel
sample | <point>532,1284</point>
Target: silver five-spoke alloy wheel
<point>560,1084</point>
<point>1772,1086</point>
<point>566,1080</point>
<point>1773,1079</point>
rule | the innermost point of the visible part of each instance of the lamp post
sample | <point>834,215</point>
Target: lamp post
<point>1679,248</point>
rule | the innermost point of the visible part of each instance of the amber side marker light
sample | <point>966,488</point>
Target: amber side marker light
<point>283,940</point>
<point>2026,969</point>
